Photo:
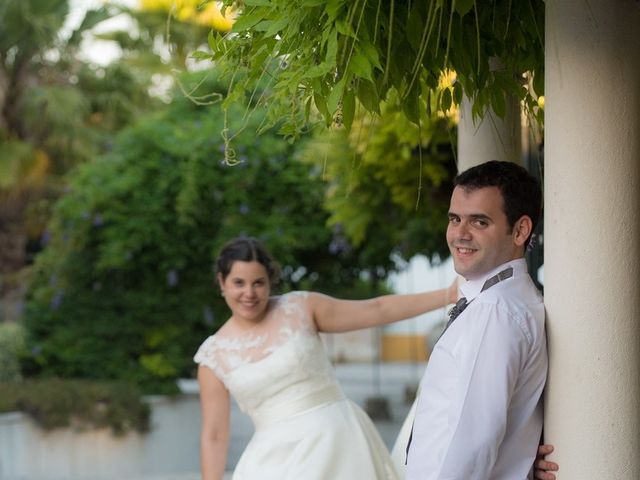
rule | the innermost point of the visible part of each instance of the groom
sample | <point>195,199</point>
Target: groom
<point>479,413</point>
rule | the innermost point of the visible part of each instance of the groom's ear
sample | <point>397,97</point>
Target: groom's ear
<point>522,230</point>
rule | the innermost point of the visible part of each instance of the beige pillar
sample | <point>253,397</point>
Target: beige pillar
<point>592,237</point>
<point>489,138</point>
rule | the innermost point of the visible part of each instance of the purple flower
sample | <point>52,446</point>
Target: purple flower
<point>98,220</point>
<point>208,315</point>
<point>57,299</point>
<point>172,278</point>
<point>45,238</point>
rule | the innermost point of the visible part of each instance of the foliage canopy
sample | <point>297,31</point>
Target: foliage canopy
<point>337,54</point>
<point>389,181</point>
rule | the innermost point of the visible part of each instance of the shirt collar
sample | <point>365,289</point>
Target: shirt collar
<point>471,288</point>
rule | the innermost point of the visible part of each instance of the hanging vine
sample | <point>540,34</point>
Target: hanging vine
<point>325,55</point>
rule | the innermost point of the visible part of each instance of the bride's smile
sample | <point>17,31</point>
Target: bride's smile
<point>246,290</point>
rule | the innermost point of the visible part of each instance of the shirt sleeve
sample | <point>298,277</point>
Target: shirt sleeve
<point>489,355</point>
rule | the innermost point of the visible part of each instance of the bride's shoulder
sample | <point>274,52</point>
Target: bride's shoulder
<point>291,295</point>
<point>289,300</point>
<point>205,349</point>
<point>292,310</point>
<point>211,344</point>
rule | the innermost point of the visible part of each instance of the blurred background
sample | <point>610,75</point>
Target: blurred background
<point>126,162</point>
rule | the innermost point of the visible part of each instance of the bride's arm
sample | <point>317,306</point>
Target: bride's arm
<point>214,436</point>
<point>335,315</point>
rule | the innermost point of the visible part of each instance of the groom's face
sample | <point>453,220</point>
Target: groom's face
<point>478,234</point>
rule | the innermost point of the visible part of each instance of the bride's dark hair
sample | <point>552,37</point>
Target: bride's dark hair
<point>246,249</point>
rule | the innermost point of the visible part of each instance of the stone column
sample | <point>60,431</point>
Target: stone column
<point>489,138</point>
<point>592,237</point>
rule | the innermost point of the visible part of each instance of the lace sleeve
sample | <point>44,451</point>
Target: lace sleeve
<point>207,355</point>
<point>296,311</point>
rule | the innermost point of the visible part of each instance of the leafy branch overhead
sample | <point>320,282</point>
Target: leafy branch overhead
<point>332,55</point>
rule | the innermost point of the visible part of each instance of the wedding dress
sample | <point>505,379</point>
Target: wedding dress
<point>305,428</point>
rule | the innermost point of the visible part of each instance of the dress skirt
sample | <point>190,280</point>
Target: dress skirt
<point>334,441</point>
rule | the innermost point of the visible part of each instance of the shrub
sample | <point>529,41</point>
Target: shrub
<point>11,347</point>
<point>55,403</point>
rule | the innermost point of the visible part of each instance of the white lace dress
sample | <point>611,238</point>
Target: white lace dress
<point>305,429</point>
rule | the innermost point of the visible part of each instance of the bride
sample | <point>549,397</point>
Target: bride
<point>268,355</point>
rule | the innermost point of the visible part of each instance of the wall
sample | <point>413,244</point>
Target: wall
<point>172,446</point>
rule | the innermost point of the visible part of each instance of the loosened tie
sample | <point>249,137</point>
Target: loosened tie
<point>457,309</point>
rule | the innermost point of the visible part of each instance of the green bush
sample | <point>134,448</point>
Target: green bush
<point>124,289</point>
<point>12,345</point>
<point>56,403</point>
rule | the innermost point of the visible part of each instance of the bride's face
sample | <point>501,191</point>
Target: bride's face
<point>246,290</point>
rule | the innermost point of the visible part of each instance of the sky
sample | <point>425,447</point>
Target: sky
<point>97,51</point>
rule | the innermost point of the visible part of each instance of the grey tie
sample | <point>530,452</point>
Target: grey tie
<point>461,304</point>
<point>457,309</point>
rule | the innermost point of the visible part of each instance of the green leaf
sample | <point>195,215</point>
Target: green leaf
<point>345,29</point>
<point>498,103</point>
<point>411,105</point>
<point>348,108</point>
<point>321,105</point>
<point>333,9</point>
<point>307,108</point>
<point>368,96</point>
<point>445,99</point>
<point>372,54</point>
<point>457,93</point>
<point>277,26</point>
<point>360,66</point>
<point>319,70</point>
<point>249,20</point>
<point>332,46</point>
<point>464,6</point>
<point>336,94</point>
<point>538,84</point>
<point>200,55</point>
<point>212,40</point>
<point>414,27</point>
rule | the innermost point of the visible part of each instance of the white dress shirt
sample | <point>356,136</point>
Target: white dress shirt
<point>479,413</point>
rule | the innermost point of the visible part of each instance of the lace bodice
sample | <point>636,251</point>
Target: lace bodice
<point>277,363</point>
